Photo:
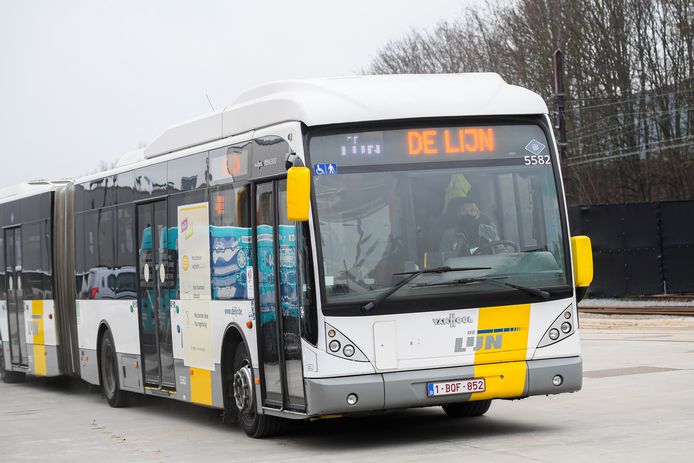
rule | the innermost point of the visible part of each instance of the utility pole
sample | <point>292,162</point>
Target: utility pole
<point>559,103</point>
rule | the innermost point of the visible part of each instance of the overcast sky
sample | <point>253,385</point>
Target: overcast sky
<point>86,81</point>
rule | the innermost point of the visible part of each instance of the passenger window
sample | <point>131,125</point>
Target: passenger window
<point>31,264</point>
<point>230,241</point>
<point>150,181</point>
<point>3,293</point>
<point>106,239</point>
<point>187,173</point>
<point>229,163</point>
<point>125,187</point>
<point>125,237</point>
<point>90,243</point>
<point>80,265</point>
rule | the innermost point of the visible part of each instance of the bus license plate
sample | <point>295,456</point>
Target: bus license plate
<point>455,387</point>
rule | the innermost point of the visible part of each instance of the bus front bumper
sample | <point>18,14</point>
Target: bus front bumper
<point>404,389</point>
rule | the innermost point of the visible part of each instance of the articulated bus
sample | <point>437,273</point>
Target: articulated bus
<point>320,248</point>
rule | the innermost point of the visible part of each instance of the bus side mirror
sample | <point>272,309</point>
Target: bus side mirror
<point>298,193</point>
<point>582,253</point>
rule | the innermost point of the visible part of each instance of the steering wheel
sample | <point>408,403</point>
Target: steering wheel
<point>490,245</point>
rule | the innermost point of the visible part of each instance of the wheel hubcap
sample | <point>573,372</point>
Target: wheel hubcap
<point>243,389</point>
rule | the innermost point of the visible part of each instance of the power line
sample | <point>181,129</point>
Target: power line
<point>604,117</point>
<point>599,153</point>
<point>628,154</point>
<point>646,95</point>
<point>632,122</point>
<point>624,155</point>
<point>684,83</point>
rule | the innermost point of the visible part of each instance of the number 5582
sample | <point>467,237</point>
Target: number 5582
<point>537,159</point>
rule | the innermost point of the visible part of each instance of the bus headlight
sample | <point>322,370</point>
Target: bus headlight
<point>348,350</point>
<point>339,345</point>
<point>559,329</point>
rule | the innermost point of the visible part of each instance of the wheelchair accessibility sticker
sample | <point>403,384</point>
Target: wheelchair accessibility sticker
<point>325,169</point>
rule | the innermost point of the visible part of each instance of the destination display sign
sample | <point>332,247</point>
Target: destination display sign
<point>450,141</point>
<point>427,144</point>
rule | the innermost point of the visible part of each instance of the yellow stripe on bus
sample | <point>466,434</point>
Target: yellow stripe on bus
<point>37,321</point>
<point>501,380</point>
<point>192,208</point>
<point>502,334</point>
<point>39,360</point>
<point>201,386</point>
<point>37,331</point>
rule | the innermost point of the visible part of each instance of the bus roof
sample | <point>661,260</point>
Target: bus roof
<point>27,189</point>
<point>353,99</point>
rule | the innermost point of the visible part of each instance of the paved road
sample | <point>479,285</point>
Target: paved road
<point>637,404</point>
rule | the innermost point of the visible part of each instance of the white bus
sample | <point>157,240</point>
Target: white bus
<point>320,248</point>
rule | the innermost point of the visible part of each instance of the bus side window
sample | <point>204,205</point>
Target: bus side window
<point>308,309</point>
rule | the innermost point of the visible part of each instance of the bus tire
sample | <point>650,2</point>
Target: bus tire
<point>243,398</point>
<point>467,409</point>
<point>108,364</point>
<point>10,377</point>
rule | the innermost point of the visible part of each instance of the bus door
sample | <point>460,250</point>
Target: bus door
<point>154,258</point>
<point>276,295</point>
<point>15,302</point>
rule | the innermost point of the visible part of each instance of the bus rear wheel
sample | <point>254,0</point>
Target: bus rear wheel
<point>467,409</point>
<point>243,398</point>
<point>108,363</point>
<point>10,377</point>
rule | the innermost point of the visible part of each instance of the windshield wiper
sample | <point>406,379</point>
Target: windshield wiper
<point>542,294</point>
<point>369,306</point>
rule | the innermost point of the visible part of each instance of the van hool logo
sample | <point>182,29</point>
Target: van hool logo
<point>452,320</point>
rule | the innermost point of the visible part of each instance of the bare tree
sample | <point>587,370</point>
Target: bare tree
<point>630,86</point>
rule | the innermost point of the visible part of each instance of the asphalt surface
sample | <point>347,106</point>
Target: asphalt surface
<point>637,404</point>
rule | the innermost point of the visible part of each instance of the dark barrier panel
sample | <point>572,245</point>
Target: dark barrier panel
<point>626,247</point>
<point>640,248</point>
<point>677,232</point>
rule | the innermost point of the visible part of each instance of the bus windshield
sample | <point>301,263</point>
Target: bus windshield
<point>397,201</point>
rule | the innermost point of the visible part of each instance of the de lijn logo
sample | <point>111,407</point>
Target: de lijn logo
<point>483,340</point>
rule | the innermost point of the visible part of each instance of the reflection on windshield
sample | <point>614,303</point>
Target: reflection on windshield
<point>374,224</point>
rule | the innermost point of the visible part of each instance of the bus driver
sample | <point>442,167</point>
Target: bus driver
<point>466,228</point>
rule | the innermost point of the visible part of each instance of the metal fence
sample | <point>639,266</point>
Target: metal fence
<point>639,248</point>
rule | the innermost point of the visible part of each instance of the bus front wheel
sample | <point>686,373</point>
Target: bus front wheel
<point>108,363</point>
<point>244,399</point>
<point>467,409</point>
